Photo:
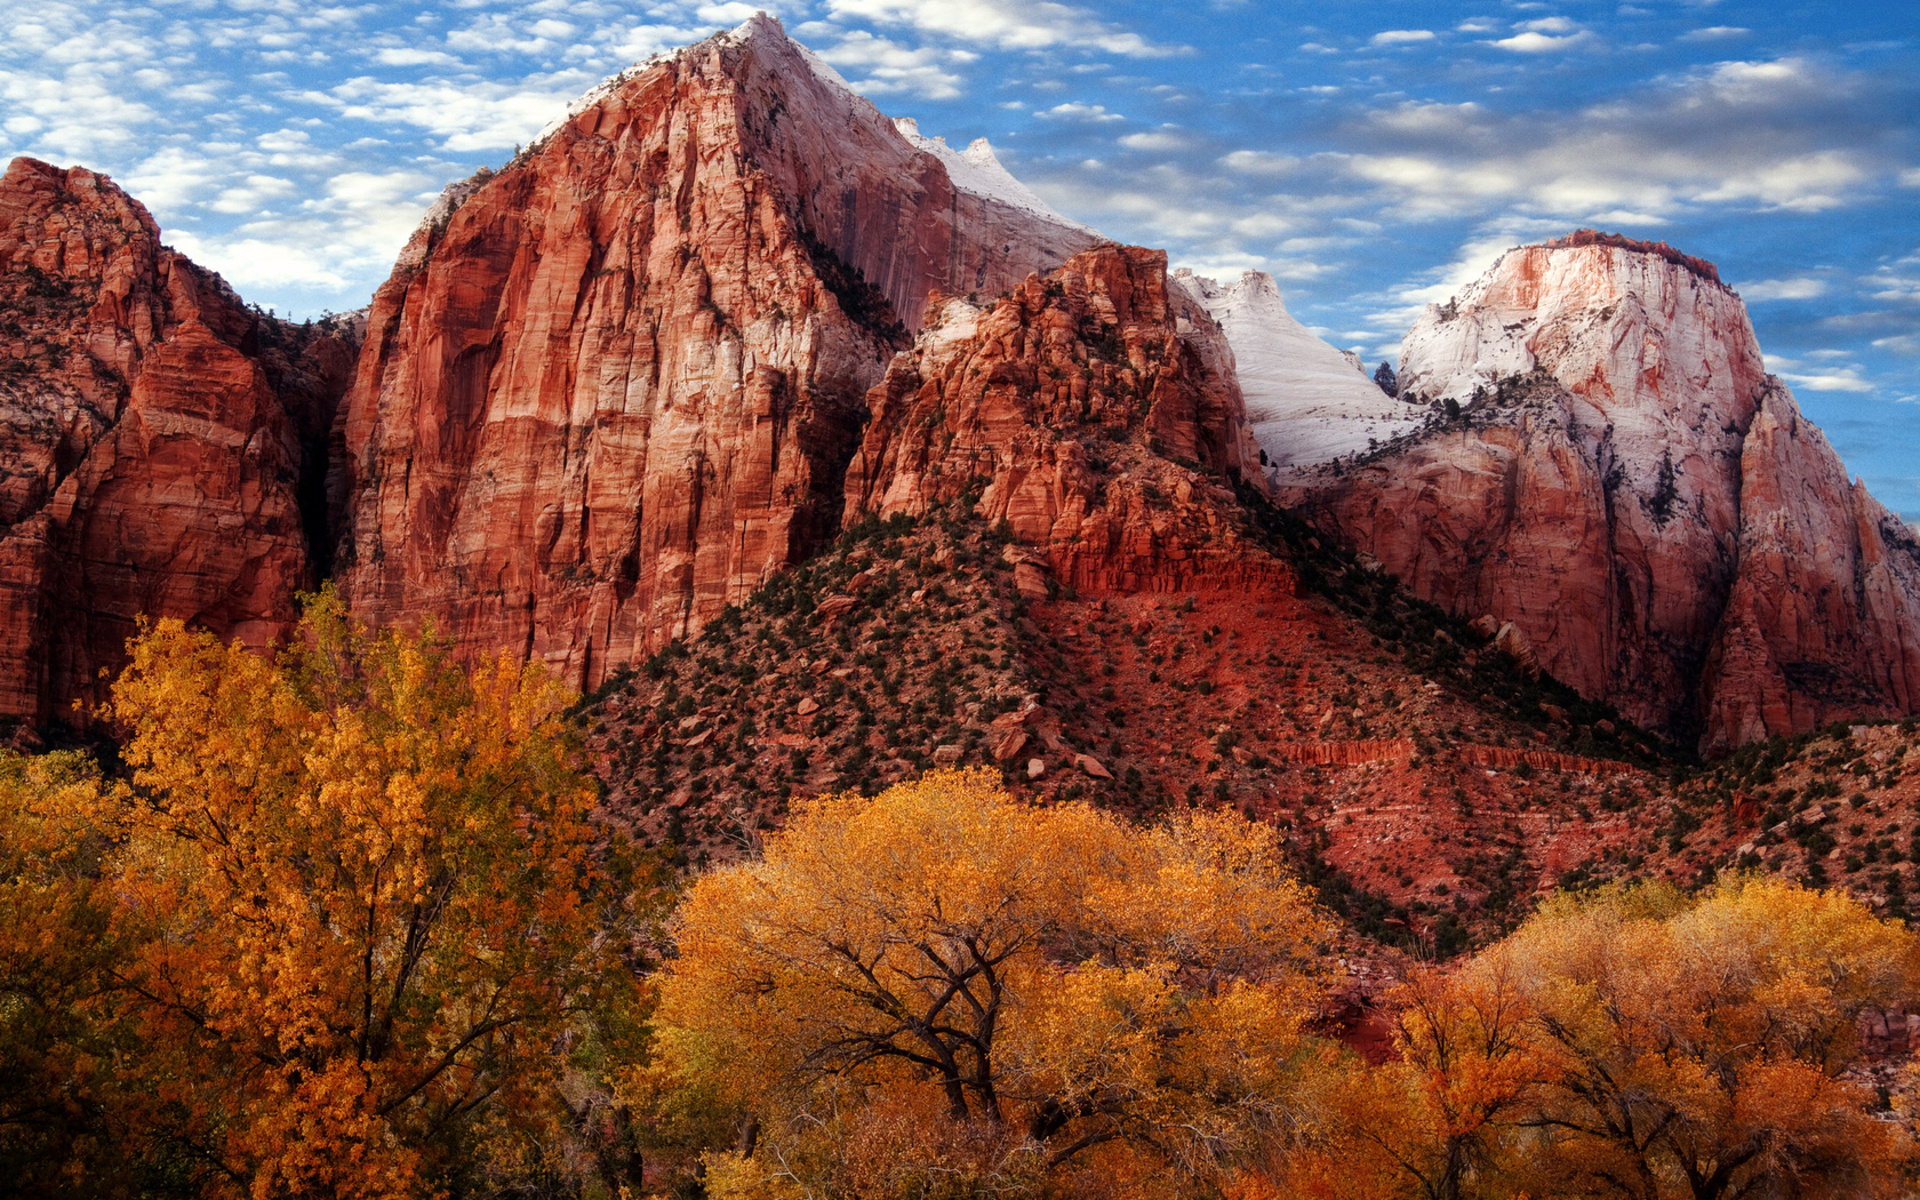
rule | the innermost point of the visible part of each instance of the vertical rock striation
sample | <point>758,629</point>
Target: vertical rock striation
<point>1095,411</point>
<point>1627,485</point>
<point>611,388</point>
<point>156,440</point>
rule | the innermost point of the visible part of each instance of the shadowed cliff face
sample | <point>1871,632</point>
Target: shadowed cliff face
<point>1631,489</point>
<point>1095,411</point>
<point>617,386</point>
<point>155,437</point>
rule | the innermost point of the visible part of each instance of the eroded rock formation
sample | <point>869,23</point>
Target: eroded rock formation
<point>1627,486</point>
<point>612,388</point>
<point>156,441</point>
<point>1095,411</point>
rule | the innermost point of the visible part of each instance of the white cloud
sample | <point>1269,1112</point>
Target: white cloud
<point>1910,177</point>
<point>1397,37</point>
<point>1259,162</point>
<point>414,56</point>
<point>465,116</point>
<point>1715,33</point>
<point>1550,25</point>
<point>1075,111</point>
<point>1159,139</point>
<point>1845,380</point>
<point>1009,24</point>
<point>1532,42</point>
<point>877,66</point>
<point>1783,289</point>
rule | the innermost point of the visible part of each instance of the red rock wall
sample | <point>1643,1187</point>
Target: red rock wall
<point>1093,411</point>
<point>616,388</point>
<point>1640,500</point>
<point>1823,622</point>
<point>154,437</point>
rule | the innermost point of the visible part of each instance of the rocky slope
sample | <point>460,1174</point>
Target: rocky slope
<point>1307,403</point>
<point>157,440</point>
<point>1610,469</point>
<point>613,387</point>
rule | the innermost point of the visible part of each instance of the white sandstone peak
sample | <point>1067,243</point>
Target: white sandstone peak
<point>1305,401</point>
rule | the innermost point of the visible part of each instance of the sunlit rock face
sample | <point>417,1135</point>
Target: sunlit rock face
<point>610,389</point>
<point>1095,411</point>
<point>157,440</point>
<point>1307,403</point>
<point>1627,485</point>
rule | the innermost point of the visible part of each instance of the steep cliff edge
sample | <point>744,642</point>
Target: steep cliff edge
<point>1609,467</point>
<point>1095,411</point>
<point>156,441</point>
<point>611,388</point>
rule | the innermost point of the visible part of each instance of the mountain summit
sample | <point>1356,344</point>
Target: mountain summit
<point>617,384</point>
<point>1609,467</point>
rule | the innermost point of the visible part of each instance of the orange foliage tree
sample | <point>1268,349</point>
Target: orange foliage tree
<point>366,884</point>
<point>940,988</point>
<point>1642,1044</point>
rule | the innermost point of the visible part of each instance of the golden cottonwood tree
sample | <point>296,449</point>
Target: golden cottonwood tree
<point>63,1033</point>
<point>370,876</point>
<point>1699,1050</point>
<point>939,989</point>
<point>1639,1044</point>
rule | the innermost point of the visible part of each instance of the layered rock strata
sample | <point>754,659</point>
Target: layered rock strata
<point>1609,467</point>
<point>1094,411</point>
<point>156,440</point>
<point>610,389</point>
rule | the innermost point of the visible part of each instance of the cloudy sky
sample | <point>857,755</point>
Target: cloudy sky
<point>1372,154</point>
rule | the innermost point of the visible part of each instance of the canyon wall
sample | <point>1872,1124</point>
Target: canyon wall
<point>610,389</point>
<point>157,440</point>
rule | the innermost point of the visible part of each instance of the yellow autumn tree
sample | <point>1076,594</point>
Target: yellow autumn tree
<point>1700,1045</point>
<point>940,990</point>
<point>64,1097</point>
<point>1636,1043</point>
<point>369,884</point>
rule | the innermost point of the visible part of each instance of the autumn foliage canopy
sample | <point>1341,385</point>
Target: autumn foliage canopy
<point>345,922</point>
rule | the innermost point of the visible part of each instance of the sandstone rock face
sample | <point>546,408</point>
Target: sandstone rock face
<point>155,441</point>
<point>1629,488</point>
<point>1095,411</point>
<point>1307,403</point>
<point>612,388</point>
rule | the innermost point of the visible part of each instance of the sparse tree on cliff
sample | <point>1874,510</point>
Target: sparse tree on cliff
<point>1387,381</point>
<point>943,977</point>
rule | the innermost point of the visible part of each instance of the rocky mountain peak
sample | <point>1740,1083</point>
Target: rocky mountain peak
<point>1609,467</point>
<point>1632,327</point>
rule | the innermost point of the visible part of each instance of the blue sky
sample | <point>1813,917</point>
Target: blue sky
<point>1373,156</point>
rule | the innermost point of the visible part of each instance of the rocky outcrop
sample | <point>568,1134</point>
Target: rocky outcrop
<point>156,440</point>
<point>1307,403</point>
<point>1094,411</point>
<point>1608,467</point>
<point>613,387</point>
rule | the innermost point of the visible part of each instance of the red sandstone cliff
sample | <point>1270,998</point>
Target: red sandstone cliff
<point>1095,411</point>
<point>154,439</point>
<point>613,387</point>
<point>1635,494</point>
